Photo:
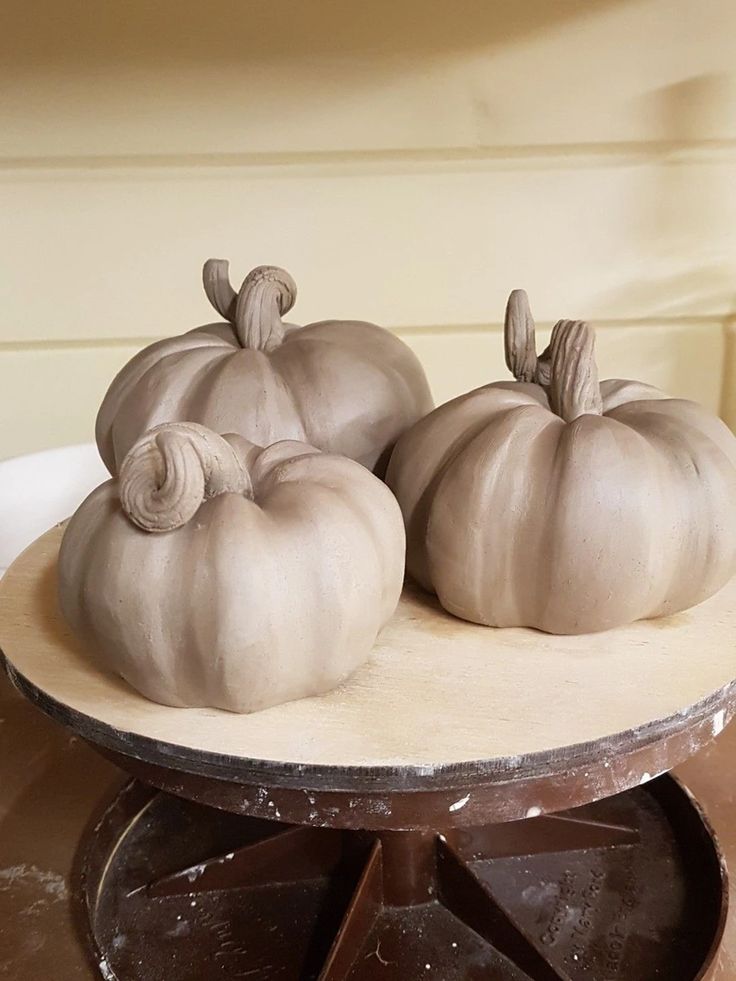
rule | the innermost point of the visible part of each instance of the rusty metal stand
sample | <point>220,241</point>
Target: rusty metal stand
<point>177,888</point>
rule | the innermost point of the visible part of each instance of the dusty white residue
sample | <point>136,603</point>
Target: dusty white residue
<point>442,837</point>
<point>106,970</point>
<point>719,721</point>
<point>645,778</point>
<point>181,929</point>
<point>539,895</point>
<point>454,944</point>
<point>277,812</point>
<point>378,807</point>
<point>118,941</point>
<point>534,812</point>
<point>230,856</point>
<point>193,902</point>
<point>52,883</point>
<point>458,806</point>
<point>37,907</point>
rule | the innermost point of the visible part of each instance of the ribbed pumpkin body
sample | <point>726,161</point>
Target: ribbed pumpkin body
<point>517,517</point>
<point>343,386</point>
<point>255,600</point>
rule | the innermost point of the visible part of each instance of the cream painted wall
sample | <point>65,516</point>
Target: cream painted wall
<point>408,162</point>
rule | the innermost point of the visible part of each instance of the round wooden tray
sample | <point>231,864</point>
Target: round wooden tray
<point>418,818</point>
<point>447,719</point>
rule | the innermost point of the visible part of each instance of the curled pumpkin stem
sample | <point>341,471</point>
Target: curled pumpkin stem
<point>216,282</point>
<point>267,294</point>
<point>172,469</point>
<point>520,342</point>
<point>574,389</point>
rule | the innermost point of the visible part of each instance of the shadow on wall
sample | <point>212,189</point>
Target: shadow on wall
<point>728,405</point>
<point>686,221</point>
<point>686,227</point>
<point>232,30</point>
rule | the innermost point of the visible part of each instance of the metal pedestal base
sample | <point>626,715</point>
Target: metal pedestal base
<point>630,888</point>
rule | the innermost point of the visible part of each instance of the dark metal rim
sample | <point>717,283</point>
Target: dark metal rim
<point>87,878</point>
<point>375,778</point>
<point>719,861</point>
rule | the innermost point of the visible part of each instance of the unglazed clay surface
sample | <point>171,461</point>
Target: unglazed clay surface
<point>521,702</point>
<point>343,386</point>
<point>560,503</point>
<point>213,572</point>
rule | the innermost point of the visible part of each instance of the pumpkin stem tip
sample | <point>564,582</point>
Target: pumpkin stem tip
<point>216,282</point>
<point>519,337</point>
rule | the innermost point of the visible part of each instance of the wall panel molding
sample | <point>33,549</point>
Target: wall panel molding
<point>118,254</point>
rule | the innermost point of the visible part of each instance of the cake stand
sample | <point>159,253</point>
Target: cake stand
<point>473,804</point>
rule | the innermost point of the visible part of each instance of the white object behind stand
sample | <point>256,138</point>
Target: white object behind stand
<point>40,489</point>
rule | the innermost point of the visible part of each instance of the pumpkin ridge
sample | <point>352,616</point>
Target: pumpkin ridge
<point>616,392</point>
<point>630,520</point>
<point>414,457</point>
<point>684,448</point>
<point>324,361</point>
<point>291,390</point>
<point>124,382</point>
<point>375,522</point>
<point>482,460</point>
<point>205,402</point>
<point>132,373</point>
<point>328,472</point>
<point>146,415</point>
<point>697,423</point>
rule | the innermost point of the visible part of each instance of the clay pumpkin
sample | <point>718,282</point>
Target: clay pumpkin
<point>217,573</point>
<point>560,503</point>
<point>345,387</point>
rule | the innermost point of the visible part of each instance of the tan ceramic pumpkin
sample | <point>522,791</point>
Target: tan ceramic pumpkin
<point>343,386</point>
<point>217,573</point>
<point>560,503</point>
